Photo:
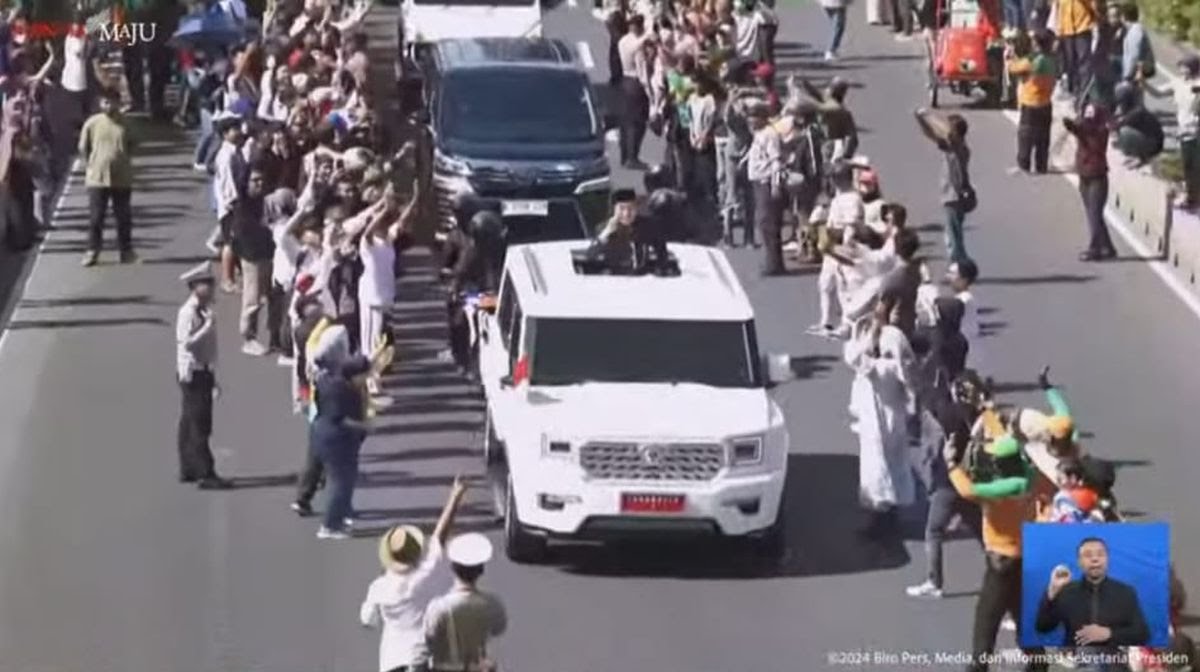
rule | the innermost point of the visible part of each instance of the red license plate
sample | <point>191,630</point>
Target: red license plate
<point>652,503</point>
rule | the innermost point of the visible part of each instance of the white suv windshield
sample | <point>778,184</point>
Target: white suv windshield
<point>573,351</point>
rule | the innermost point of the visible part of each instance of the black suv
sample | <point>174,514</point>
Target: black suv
<point>513,120</point>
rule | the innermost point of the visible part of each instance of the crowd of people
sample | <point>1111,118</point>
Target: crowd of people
<point>310,217</point>
<point>767,158</point>
<point>311,213</point>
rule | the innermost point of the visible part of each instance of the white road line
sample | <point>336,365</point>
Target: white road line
<point>19,292</point>
<point>585,54</point>
<point>572,3</point>
<point>1124,229</point>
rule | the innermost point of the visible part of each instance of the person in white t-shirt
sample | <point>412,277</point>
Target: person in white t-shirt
<point>845,213</point>
<point>74,77</point>
<point>962,277</point>
<point>414,573</point>
<point>377,229</point>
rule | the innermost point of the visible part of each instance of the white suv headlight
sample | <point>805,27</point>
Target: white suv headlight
<point>746,450</point>
<point>552,448</point>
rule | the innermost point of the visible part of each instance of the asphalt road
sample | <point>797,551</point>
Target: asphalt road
<point>107,564</point>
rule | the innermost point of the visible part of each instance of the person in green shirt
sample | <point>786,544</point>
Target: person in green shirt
<point>106,145</point>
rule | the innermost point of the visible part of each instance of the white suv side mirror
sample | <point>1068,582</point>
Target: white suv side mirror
<point>777,368</point>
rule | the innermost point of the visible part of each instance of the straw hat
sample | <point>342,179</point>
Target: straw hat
<point>401,548</point>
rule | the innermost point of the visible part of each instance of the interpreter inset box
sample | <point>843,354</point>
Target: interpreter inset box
<point>1095,585</point>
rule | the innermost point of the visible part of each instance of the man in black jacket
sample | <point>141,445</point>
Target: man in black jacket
<point>1098,613</point>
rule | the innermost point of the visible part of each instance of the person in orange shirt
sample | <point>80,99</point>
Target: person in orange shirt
<point>1035,94</point>
<point>1077,21</point>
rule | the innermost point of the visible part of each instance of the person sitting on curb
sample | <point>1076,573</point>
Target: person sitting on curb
<point>1139,132</point>
<point>1186,93</point>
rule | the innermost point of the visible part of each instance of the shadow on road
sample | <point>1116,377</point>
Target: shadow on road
<point>277,481</point>
<point>87,324</point>
<point>78,301</point>
<point>812,366</point>
<point>416,454</point>
<point>823,518</point>
<point>1053,279</point>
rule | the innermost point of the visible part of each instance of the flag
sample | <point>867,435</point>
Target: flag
<point>521,371</point>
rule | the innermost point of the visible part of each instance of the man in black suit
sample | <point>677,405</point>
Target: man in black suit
<point>1098,613</point>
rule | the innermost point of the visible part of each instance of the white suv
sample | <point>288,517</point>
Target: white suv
<point>626,404</point>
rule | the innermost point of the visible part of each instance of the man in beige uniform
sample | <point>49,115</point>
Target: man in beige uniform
<point>459,624</point>
<point>106,145</point>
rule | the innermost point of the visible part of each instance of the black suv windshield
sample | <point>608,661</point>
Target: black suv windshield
<point>518,105</point>
<point>572,351</point>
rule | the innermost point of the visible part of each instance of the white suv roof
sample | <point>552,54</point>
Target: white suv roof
<point>549,286</point>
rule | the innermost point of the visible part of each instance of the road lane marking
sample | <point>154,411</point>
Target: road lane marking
<point>1116,221</point>
<point>18,291</point>
<point>585,54</point>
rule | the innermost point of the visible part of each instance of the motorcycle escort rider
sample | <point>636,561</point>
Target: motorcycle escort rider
<point>476,273</point>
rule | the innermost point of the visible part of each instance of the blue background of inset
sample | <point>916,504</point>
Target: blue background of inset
<point>1138,554</point>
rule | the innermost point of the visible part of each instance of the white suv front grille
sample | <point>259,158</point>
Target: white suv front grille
<point>652,461</point>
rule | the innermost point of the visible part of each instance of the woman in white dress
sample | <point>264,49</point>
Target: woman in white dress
<point>880,399</point>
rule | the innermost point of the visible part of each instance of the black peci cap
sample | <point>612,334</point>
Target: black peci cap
<point>624,196</point>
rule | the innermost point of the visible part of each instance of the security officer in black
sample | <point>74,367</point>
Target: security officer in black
<point>478,269</point>
<point>454,238</point>
<point>667,207</point>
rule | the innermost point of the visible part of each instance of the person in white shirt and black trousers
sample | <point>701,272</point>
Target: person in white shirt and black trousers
<point>195,363</point>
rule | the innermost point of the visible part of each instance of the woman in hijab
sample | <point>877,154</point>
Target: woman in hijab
<point>17,170</point>
<point>337,433</point>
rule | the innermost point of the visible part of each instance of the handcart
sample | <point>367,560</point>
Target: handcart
<point>968,50</point>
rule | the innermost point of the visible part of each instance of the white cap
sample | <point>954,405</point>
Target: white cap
<point>201,273</point>
<point>469,550</point>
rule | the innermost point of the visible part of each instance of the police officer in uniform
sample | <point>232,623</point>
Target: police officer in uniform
<point>196,361</point>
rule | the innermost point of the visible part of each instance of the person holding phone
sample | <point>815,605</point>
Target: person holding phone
<point>1098,613</point>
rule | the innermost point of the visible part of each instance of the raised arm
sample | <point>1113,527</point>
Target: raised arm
<point>40,77</point>
<point>450,510</point>
<point>933,126</point>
